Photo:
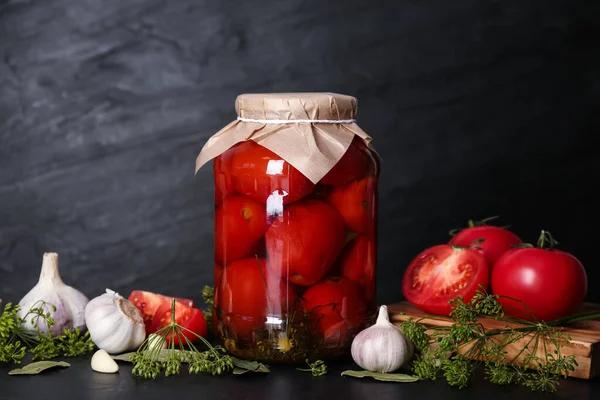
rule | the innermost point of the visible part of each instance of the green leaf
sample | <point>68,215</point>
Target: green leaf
<point>240,371</point>
<point>253,366</point>
<point>37,367</point>
<point>183,355</point>
<point>401,378</point>
<point>123,357</point>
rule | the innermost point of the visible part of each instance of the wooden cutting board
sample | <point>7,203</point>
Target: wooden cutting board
<point>584,345</point>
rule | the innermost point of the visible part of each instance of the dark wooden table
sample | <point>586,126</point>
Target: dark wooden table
<point>80,382</point>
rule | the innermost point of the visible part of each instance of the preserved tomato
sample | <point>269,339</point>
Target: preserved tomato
<point>304,241</point>
<point>259,173</point>
<point>355,202</point>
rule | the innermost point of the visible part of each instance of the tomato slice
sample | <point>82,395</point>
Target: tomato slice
<point>148,303</point>
<point>441,273</point>
<point>189,318</point>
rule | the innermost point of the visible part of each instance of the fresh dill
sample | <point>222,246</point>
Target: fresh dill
<point>454,352</point>
<point>16,341</point>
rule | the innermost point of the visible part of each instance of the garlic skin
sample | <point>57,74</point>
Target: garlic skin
<point>70,303</point>
<point>115,324</point>
<point>381,347</point>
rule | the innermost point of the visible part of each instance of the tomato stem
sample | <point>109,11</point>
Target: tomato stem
<point>546,241</point>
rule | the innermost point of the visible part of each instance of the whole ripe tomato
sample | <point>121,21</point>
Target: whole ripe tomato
<point>148,303</point>
<point>304,241</point>
<point>357,262</point>
<point>496,241</point>
<point>222,175</point>
<point>258,173</point>
<point>240,223</point>
<point>356,204</point>
<point>355,164</point>
<point>249,293</point>
<point>189,318</point>
<point>551,283</point>
<point>441,273</point>
<point>337,304</point>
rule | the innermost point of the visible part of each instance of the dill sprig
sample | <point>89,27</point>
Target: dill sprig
<point>208,295</point>
<point>317,368</point>
<point>148,363</point>
<point>449,351</point>
<point>16,341</point>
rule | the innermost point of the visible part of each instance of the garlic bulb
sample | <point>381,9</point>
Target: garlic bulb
<point>115,324</point>
<point>52,291</point>
<point>381,347</point>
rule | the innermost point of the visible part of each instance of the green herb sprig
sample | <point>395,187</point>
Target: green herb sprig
<point>208,295</point>
<point>16,341</point>
<point>449,351</point>
<point>317,368</point>
<point>148,362</point>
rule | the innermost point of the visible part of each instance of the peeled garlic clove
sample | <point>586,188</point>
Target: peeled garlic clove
<point>51,292</point>
<point>381,347</point>
<point>103,362</point>
<point>115,324</point>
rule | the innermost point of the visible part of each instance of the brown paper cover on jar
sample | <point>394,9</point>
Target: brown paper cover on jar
<point>311,131</point>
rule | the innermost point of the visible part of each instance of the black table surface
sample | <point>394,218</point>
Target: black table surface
<point>284,382</point>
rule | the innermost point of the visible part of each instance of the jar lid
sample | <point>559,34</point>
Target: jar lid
<point>311,131</point>
<point>296,106</point>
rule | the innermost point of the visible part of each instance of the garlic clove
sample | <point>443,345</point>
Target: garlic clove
<point>381,347</point>
<point>103,362</point>
<point>65,304</point>
<point>114,323</point>
<point>156,342</point>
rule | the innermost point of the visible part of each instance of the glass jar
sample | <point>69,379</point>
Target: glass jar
<point>294,260</point>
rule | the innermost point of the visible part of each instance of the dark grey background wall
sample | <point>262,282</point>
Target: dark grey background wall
<point>477,107</point>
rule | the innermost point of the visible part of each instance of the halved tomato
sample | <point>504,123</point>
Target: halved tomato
<point>441,273</point>
<point>148,303</point>
<point>191,319</point>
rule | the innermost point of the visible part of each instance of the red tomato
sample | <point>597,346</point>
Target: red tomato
<point>355,164</point>
<point>215,313</point>
<point>356,204</point>
<point>240,222</point>
<point>148,303</point>
<point>496,241</point>
<point>218,274</point>
<point>304,241</point>
<point>222,175</point>
<point>189,318</point>
<point>333,300</point>
<point>358,264</point>
<point>552,283</point>
<point>249,293</point>
<point>258,172</point>
<point>441,273</point>
<point>335,330</point>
